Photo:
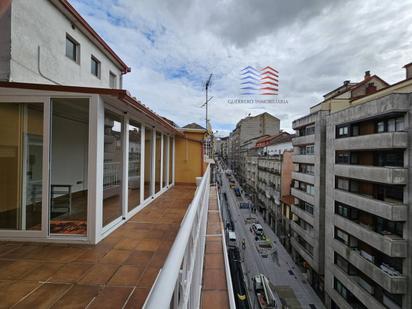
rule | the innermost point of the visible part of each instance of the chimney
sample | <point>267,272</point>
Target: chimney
<point>346,82</point>
<point>371,88</point>
<point>367,74</point>
<point>408,68</point>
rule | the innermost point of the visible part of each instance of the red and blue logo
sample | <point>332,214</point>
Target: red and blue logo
<point>263,81</point>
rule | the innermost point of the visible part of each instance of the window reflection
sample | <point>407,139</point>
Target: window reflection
<point>112,174</point>
<point>134,172</point>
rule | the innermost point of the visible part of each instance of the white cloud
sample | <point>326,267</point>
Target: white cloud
<point>172,46</point>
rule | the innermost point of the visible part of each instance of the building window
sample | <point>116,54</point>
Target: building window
<point>342,184</point>
<point>342,158</point>
<point>95,66</point>
<point>342,131</point>
<point>72,49</point>
<point>112,80</point>
<point>391,125</point>
<point>355,130</point>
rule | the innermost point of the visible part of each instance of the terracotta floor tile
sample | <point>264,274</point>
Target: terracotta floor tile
<point>115,256</point>
<point>71,273</point>
<point>13,291</point>
<point>214,261</point>
<point>16,269</point>
<point>111,297</point>
<point>214,279</point>
<point>214,300</point>
<point>148,245</point>
<point>20,252</point>
<point>126,275</point>
<point>78,297</point>
<point>214,228</point>
<point>43,272</point>
<point>94,255</point>
<point>99,274</point>
<point>138,298</point>
<point>139,258</point>
<point>158,260</point>
<point>44,297</point>
<point>148,277</point>
<point>213,246</point>
<point>127,244</point>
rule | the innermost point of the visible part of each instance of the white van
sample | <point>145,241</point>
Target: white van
<point>232,239</point>
<point>258,229</point>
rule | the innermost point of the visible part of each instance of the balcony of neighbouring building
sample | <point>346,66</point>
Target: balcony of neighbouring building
<point>391,244</point>
<point>303,158</point>
<point>387,140</point>
<point>306,254</point>
<point>302,213</point>
<point>303,140</point>
<point>390,210</point>
<point>357,292</point>
<point>307,235</point>
<point>303,177</point>
<point>302,195</point>
<point>387,175</point>
<point>384,275</point>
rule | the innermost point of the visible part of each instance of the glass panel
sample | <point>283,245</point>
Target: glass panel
<point>71,48</point>
<point>165,158</point>
<point>171,139</point>
<point>148,151</point>
<point>158,161</point>
<point>112,175</point>
<point>21,163</point>
<point>134,165</point>
<point>68,170</point>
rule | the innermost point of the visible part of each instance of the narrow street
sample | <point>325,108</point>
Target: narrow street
<point>279,268</point>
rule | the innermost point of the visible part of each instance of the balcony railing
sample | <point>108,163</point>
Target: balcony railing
<point>179,282</point>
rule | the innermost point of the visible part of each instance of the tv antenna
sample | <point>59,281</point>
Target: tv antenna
<point>208,84</point>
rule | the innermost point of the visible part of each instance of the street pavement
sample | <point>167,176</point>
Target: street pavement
<point>279,268</point>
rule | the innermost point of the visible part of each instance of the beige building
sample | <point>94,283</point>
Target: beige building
<point>247,129</point>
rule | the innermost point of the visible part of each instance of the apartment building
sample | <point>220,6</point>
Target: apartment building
<point>247,129</point>
<point>368,232</point>
<point>308,226</point>
<point>269,176</point>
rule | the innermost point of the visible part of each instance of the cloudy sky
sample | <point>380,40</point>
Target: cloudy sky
<point>173,46</point>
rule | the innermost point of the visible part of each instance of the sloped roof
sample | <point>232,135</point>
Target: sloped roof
<point>193,125</point>
<point>282,137</point>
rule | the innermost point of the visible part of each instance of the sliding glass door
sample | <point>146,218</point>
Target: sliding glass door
<point>68,166</point>
<point>165,159</point>
<point>112,173</point>
<point>134,172</point>
<point>148,163</point>
<point>21,165</point>
<point>158,161</point>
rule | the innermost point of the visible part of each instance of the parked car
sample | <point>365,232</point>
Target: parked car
<point>232,239</point>
<point>257,229</point>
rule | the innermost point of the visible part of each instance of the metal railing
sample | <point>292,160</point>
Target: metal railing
<point>178,284</point>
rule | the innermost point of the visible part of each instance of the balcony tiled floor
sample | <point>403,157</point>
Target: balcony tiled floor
<point>214,290</point>
<point>116,273</point>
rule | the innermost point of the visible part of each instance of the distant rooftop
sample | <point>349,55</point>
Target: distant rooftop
<point>194,125</point>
